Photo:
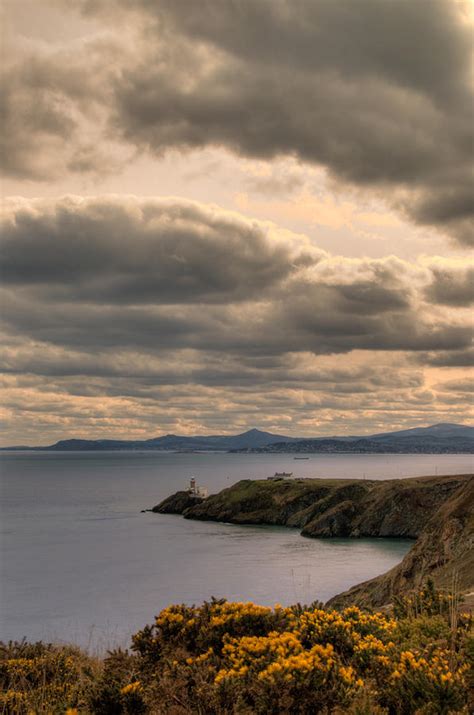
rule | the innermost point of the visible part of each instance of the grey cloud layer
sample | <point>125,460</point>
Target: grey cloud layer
<point>348,85</point>
<point>452,287</point>
<point>96,356</point>
<point>331,399</point>
<point>162,275</point>
<point>54,107</point>
<point>123,250</point>
<point>378,92</point>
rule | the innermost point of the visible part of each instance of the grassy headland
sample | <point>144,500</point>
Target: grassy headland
<point>436,511</point>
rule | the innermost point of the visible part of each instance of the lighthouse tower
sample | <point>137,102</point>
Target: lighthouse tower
<point>195,491</point>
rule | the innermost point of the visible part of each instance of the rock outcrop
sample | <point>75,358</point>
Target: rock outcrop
<point>177,503</point>
<point>443,552</point>
<point>437,511</point>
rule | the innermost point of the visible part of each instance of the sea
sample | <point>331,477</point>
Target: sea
<point>80,563</point>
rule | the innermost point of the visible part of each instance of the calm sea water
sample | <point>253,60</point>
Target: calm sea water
<point>80,563</point>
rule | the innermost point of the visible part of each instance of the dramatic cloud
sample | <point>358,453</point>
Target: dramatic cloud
<point>452,285</point>
<point>171,274</point>
<point>54,109</point>
<point>449,358</point>
<point>348,86</point>
<point>347,123</point>
<point>130,251</point>
<point>121,314</point>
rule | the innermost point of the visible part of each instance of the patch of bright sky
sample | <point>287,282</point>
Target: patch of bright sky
<point>296,197</point>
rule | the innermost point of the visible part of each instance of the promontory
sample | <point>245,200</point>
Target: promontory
<point>436,512</point>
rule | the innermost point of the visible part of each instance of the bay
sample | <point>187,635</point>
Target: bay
<point>80,563</point>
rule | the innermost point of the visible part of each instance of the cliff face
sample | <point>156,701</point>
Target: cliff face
<point>394,508</point>
<point>177,503</point>
<point>444,552</point>
<point>326,507</point>
<point>437,511</point>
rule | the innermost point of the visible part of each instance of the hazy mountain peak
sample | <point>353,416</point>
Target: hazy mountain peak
<point>253,431</point>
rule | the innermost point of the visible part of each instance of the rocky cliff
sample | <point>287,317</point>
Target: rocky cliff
<point>437,511</point>
<point>177,503</point>
<point>444,552</point>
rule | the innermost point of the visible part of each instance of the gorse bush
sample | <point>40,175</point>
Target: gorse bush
<point>40,678</point>
<point>117,689</point>
<point>427,601</point>
<point>240,658</point>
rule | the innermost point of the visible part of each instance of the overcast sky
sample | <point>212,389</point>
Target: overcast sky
<point>229,214</point>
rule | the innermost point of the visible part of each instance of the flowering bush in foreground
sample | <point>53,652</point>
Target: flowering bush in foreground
<point>42,678</point>
<point>235,658</point>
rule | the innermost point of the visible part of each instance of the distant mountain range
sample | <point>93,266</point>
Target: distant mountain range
<point>414,445</point>
<point>440,438</point>
<point>254,438</point>
<point>445,438</point>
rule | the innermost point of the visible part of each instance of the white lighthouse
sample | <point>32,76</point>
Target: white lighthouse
<point>195,491</point>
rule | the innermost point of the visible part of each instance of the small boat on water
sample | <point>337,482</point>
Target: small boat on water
<point>300,457</point>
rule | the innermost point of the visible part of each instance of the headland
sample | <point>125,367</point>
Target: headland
<point>436,512</point>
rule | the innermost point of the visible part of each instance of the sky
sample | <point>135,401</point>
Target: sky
<point>234,214</point>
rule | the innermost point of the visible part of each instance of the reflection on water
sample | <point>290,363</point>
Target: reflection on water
<point>81,563</point>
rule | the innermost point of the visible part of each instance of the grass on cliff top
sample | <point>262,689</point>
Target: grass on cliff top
<point>226,658</point>
<point>249,488</point>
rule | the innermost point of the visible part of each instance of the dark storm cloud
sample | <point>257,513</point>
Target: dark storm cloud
<point>161,275</point>
<point>319,326</point>
<point>129,317</point>
<point>134,251</point>
<point>323,326</point>
<point>452,287</point>
<point>354,38</point>
<point>378,92</point>
<point>449,358</point>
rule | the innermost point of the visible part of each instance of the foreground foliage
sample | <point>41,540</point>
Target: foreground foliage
<point>237,658</point>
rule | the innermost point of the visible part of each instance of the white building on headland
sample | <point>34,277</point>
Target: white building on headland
<point>280,475</point>
<point>196,491</point>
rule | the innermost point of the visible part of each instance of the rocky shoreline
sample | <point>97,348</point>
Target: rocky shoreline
<point>437,512</point>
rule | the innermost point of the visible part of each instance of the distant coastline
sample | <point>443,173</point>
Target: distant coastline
<point>444,438</point>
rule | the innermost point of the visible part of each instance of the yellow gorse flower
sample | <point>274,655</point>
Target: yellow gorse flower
<point>131,688</point>
<point>258,652</point>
